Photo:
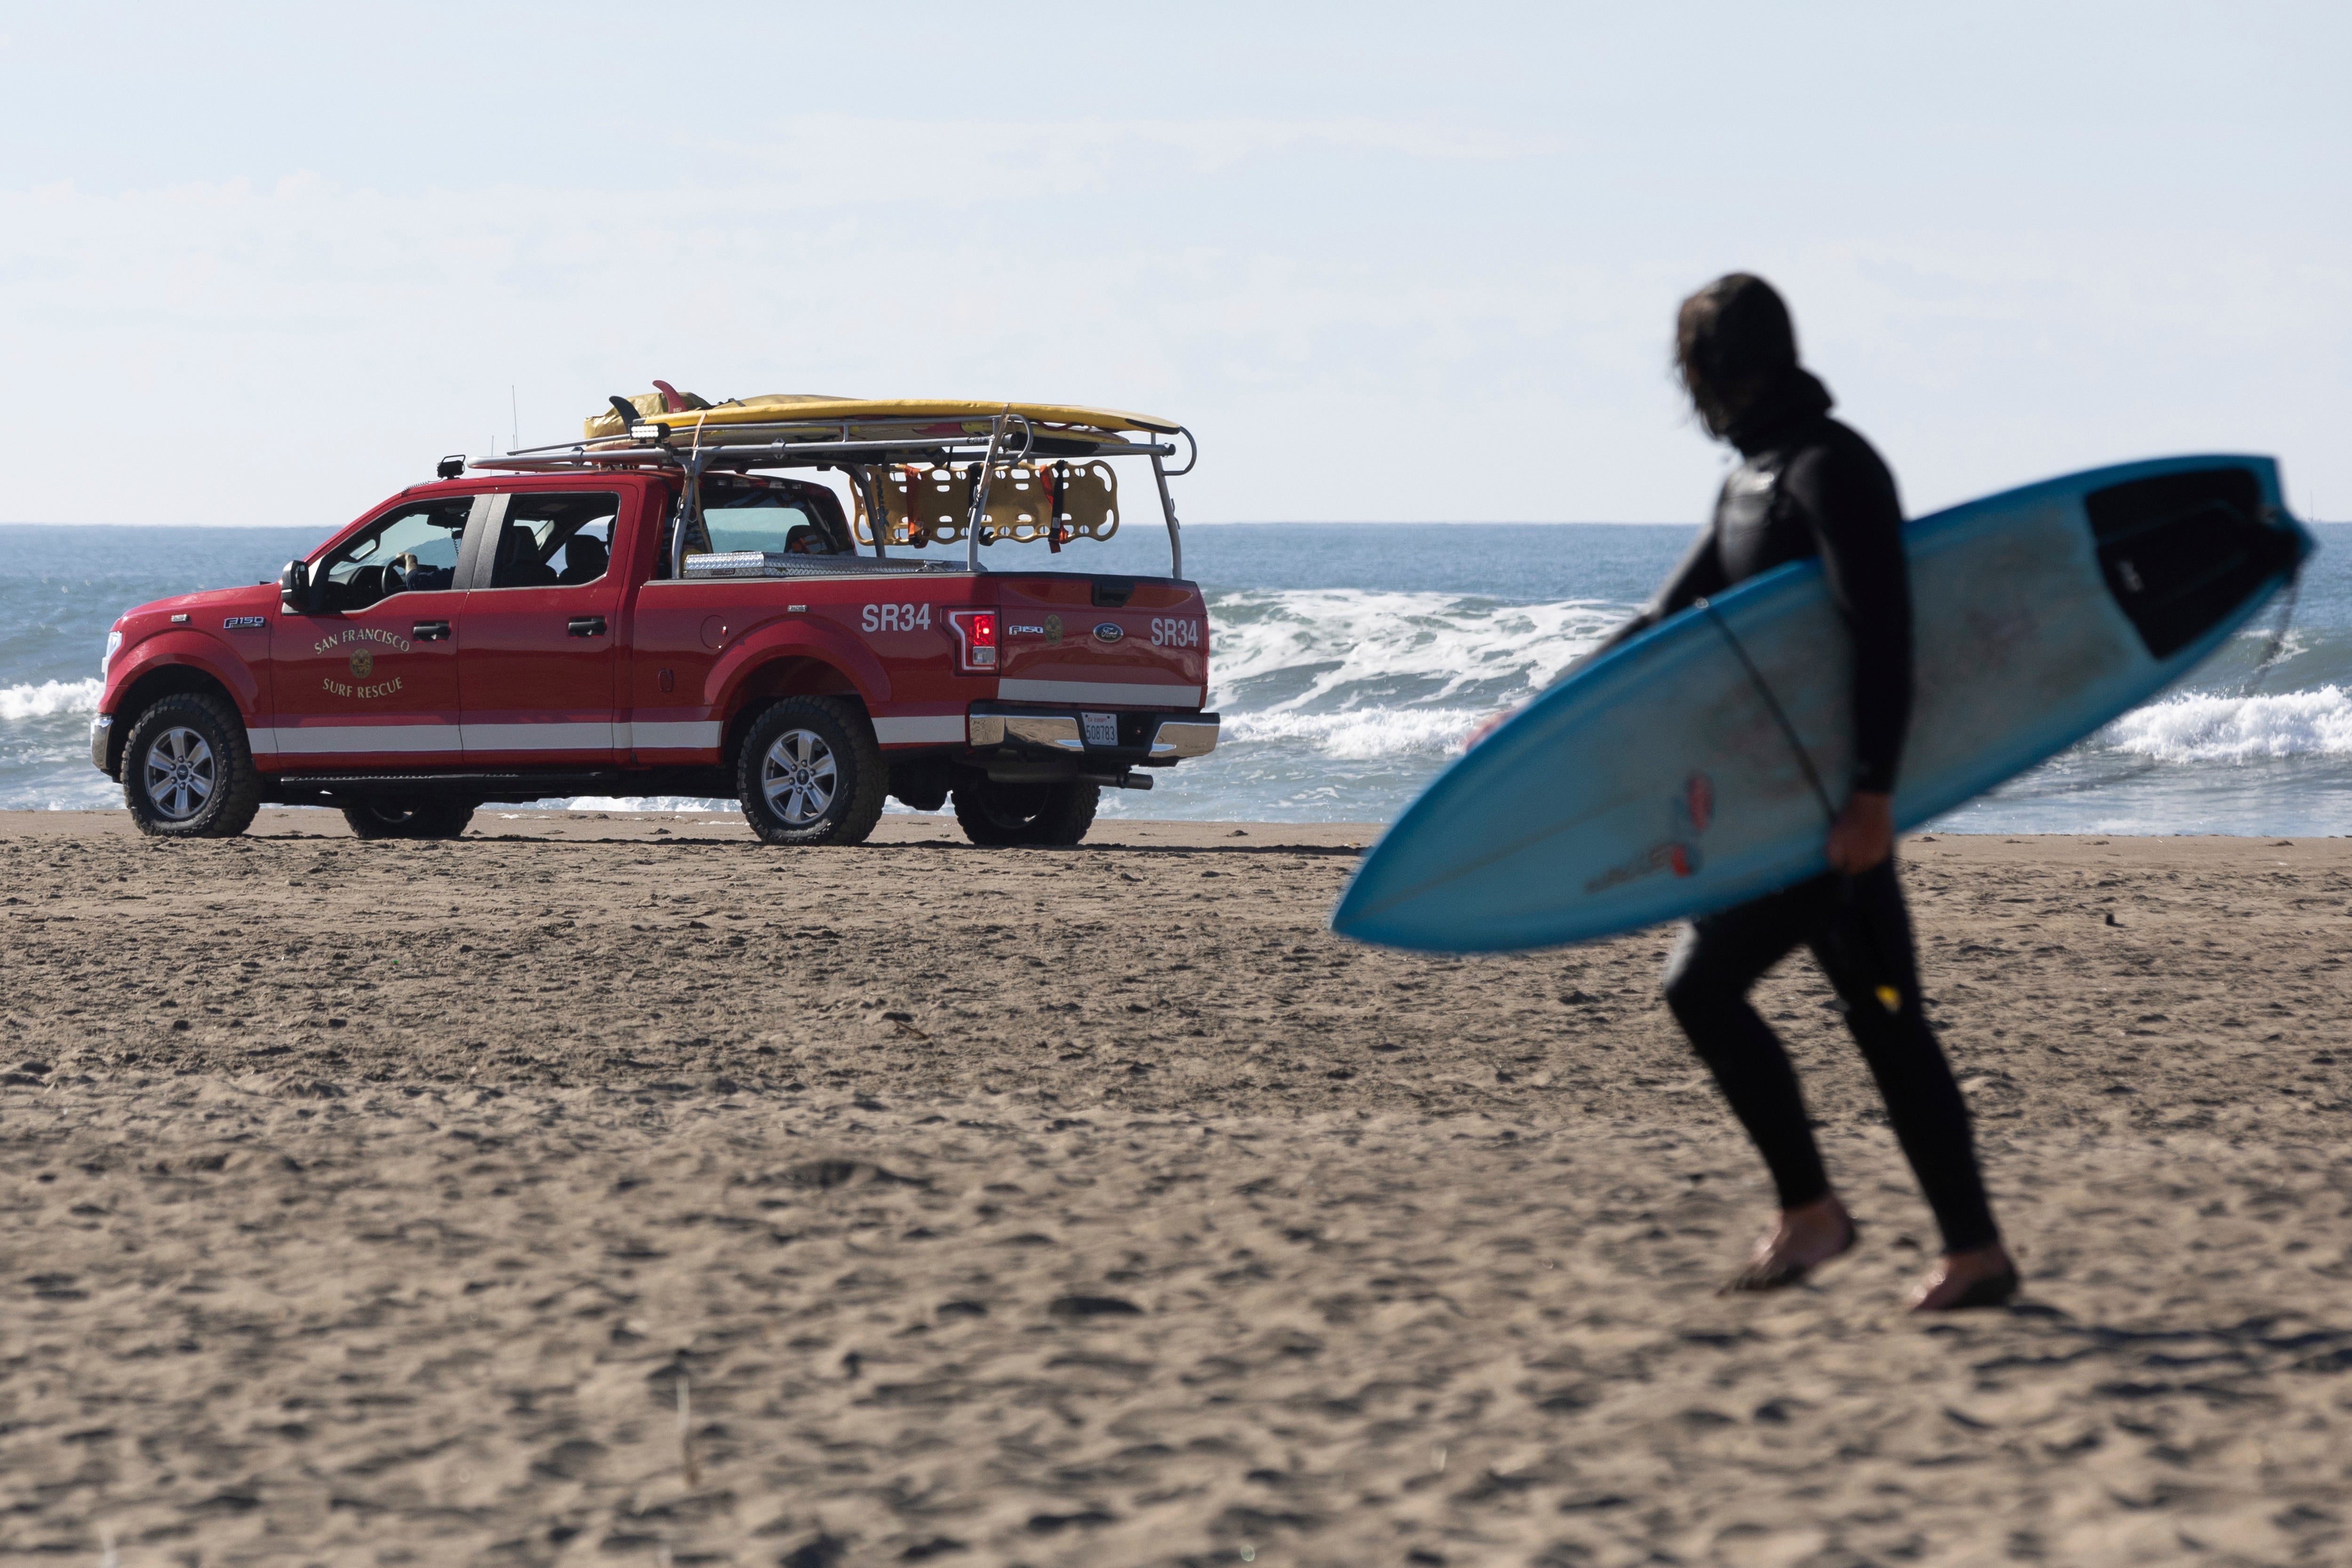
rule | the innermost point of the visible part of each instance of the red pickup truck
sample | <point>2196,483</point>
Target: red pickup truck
<point>666,608</point>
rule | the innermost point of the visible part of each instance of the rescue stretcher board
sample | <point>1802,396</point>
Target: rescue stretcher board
<point>1686,770</point>
<point>1026,500</point>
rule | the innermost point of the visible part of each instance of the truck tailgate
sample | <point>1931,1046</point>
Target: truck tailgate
<point>1113,641</point>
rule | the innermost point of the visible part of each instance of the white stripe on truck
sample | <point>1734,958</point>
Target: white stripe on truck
<point>670,735</point>
<point>556,737</point>
<point>928,730</point>
<point>328,739</point>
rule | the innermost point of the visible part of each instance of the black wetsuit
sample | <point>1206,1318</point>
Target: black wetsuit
<point>1809,486</point>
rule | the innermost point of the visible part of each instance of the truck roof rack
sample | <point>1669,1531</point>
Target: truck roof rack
<point>799,443</point>
<point>857,445</point>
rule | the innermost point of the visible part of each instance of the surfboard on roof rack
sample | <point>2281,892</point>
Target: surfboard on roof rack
<point>685,413</point>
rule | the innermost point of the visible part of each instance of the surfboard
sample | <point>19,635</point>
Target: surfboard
<point>1694,767</point>
<point>716,421</point>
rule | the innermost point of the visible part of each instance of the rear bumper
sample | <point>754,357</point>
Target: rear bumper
<point>1012,732</point>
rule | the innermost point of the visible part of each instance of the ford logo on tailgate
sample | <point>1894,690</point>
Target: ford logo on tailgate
<point>1108,632</point>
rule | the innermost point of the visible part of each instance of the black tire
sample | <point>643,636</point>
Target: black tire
<point>188,769</point>
<point>1004,814</point>
<point>408,818</point>
<point>810,772</point>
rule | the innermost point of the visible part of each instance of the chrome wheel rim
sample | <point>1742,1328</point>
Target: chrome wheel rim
<point>798,776</point>
<point>179,774</point>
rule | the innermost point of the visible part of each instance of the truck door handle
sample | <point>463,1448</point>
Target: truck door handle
<point>587,626</point>
<point>430,631</point>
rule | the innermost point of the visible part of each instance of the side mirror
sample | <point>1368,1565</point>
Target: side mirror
<point>294,588</point>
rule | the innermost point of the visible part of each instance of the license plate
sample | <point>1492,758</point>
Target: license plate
<point>1101,729</point>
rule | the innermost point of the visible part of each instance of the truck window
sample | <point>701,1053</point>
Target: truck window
<point>411,550</point>
<point>765,520</point>
<point>585,556</point>
<point>557,539</point>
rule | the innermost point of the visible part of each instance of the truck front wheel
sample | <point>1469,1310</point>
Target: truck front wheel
<point>810,772</point>
<point>1006,814</point>
<point>188,769</point>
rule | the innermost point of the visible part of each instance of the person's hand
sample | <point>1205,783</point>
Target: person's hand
<point>1486,726</point>
<point>1863,834</point>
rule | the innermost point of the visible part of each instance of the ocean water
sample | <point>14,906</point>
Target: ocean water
<point>1348,659</point>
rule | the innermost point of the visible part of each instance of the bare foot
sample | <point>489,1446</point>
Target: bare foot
<point>1806,1237</point>
<point>1982,1278</point>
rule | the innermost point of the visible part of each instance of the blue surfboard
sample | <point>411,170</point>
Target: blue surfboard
<point>1686,770</point>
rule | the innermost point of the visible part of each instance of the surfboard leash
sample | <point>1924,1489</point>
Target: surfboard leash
<point>1849,926</point>
<point>2271,655</point>
<point>1772,705</point>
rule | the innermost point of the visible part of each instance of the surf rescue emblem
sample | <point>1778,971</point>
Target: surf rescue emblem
<point>363,665</point>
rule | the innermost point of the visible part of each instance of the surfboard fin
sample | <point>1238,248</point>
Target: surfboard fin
<point>680,402</point>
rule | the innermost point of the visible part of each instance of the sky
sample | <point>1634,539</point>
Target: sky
<point>264,265</point>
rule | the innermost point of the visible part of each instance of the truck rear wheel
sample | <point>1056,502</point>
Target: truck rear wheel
<point>188,769</point>
<point>409,819</point>
<point>1005,814</point>
<point>810,772</point>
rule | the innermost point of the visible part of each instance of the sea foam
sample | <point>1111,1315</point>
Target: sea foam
<point>2200,728</point>
<point>1300,647</point>
<point>1360,735</point>
<point>50,698</point>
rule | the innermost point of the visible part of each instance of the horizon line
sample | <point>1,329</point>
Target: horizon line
<point>1221,522</point>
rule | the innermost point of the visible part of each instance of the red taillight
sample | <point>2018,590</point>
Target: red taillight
<point>975,638</point>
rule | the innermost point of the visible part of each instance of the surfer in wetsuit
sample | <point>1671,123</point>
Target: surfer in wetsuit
<point>1807,486</point>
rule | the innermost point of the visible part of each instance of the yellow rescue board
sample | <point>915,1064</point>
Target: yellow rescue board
<point>969,416</point>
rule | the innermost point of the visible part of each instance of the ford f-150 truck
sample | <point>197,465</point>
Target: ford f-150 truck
<point>681,604</point>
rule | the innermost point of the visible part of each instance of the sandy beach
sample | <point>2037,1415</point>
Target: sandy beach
<point>373,1203</point>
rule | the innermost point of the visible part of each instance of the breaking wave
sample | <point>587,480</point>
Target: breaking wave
<point>2195,728</point>
<point>50,698</point>
<point>1310,648</point>
<point>1357,675</point>
<point>1360,735</point>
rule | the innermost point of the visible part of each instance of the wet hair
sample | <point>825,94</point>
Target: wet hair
<point>1732,339</point>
